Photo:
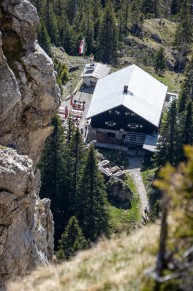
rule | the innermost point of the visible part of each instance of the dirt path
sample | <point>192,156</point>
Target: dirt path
<point>134,171</point>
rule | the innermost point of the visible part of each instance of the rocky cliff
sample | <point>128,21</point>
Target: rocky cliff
<point>28,98</point>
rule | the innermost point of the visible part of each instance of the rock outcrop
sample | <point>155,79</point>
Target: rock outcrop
<point>29,97</point>
<point>26,226</point>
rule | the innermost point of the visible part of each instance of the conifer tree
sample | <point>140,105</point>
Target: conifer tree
<point>185,128</point>
<point>148,8</point>
<point>72,7</point>
<point>43,38</point>
<point>72,240</point>
<point>69,130</point>
<point>188,127</point>
<point>108,37</point>
<point>53,173</point>
<point>183,36</point>
<point>75,155</point>
<point>160,62</point>
<point>187,87</point>
<point>167,148</point>
<point>124,15</point>
<point>88,28</point>
<point>175,6</point>
<point>136,17</point>
<point>92,212</point>
<point>97,12</point>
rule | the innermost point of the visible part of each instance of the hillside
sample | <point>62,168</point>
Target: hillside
<point>156,33</point>
<point>117,264</point>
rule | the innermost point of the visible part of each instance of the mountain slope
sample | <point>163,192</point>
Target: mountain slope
<point>117,264</point>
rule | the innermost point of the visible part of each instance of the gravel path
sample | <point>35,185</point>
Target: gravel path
<point>134,171</point>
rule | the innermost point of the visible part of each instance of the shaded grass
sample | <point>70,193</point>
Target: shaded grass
<point>125,219</point>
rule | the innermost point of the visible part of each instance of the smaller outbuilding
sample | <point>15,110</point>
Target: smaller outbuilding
<point>93,72</point>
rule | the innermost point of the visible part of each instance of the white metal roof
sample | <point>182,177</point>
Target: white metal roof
<point>96,70</point>
<point>145,94</point>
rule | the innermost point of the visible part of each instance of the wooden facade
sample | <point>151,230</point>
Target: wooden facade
<point>120,125</point>
<point>122,118</point>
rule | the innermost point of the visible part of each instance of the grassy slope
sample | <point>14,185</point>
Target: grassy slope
<point>117,264</point>
<point>143,48</point>
<point>123,218</point>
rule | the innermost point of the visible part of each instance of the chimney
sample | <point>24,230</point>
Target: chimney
<point>125,90</point>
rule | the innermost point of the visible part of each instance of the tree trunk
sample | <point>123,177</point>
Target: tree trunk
<point>161,258</point>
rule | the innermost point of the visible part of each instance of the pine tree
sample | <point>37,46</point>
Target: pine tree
<point>148,8</point>
<point>136,17</point>
<point>43,38</point>
<point>108,37</point>
<point>185,128</point>
<point>124,15</point>
<point>175,6</point>
<point>53,173</point>
<point>88,29</point>
<point>92,212</point>
<point>75,156</point>
<point>72,7</point>
<point>188,128</point>
<point>97,12</point>
<point>69,130</point>
<point>160,62</point>
<point>72,240</point>
<point>187,87</point>
<point>183,36</point>
<point>167,148</point>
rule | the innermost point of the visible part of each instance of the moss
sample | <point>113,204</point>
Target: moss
<point>2,147</point>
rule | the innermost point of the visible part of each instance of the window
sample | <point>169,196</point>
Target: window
<point>117,112</point>
<point>133,125</point>
<point>132,113</point>
<point>127,113</point>
<point>110,123</point>
<point>141,125</point>
<point>110,111</point>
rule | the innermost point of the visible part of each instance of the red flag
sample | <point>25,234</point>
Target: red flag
<point>81,47</point>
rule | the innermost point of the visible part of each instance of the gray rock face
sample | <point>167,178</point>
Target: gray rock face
<point>26,226</point>
<point>27,81</point>
<point>29,97</point>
